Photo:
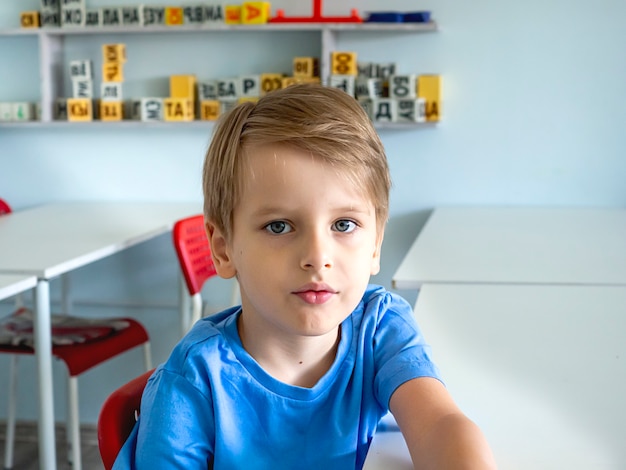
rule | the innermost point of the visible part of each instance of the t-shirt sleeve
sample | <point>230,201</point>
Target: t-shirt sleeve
<point>175,428</point>
<point>400,350</point>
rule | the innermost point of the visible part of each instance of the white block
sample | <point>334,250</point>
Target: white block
<point>22,111</point>
<point>213,14</point>
<point>383,109</point>
<point>111,16</point>
<point>111,91</point>
<point>250,86</point>
<point>402,86</point>
<point>207,90</point>
<point>132,16</point>
<point>410,110</point>
<point>93,18</point>
<point>193,14</point>
<point>343,82</point>
<point>228,88</point>
<point>368,88</point>
<point>367,105</point>
<point>50,4</point>
<point>59,112</point>
<point>73,17</point>
<point>6,112</point>
<point>366,70</point>
<point>81,69</point>
<point>82,88</point>
<point>227,104</point>
<point>152,16</point>
<point>151,109</point>
<point>385,70</point>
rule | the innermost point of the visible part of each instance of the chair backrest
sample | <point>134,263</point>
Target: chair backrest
<point>4,207</point>
<point>194,252</point>
<point>118,417</point>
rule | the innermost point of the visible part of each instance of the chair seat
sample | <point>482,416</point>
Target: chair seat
<point>81,343</point>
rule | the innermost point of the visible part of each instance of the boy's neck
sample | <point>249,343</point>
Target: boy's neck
<point>300,361</point>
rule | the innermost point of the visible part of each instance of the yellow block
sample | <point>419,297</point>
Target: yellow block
<point>79,109</point>
<point>209,110</point>
<point>306,67</point>
<point>343,63</point>
<point>111,111</point>
<point>112,72</point>
<point>271,82</point>
<point>288,81</point>
<point>174,16</point>
<point>255,12</point>
<point>429,88</point>
<point>114,53</point>
<point>29,19</point>
<point>177,109</point>
<point>247,99</point>
<point>183,86</point>
<point>232,14</point>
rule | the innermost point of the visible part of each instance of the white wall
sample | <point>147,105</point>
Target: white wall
<point>534,113</point>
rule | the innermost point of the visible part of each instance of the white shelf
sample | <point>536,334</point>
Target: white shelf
<point>51,43</point>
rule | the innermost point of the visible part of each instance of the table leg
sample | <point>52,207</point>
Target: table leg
<point>43,351</point>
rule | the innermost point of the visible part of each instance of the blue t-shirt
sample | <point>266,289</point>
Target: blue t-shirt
<point>212,406</point>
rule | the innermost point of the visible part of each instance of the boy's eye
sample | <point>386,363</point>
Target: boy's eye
<point>344,226</point>
<point>278,227</point>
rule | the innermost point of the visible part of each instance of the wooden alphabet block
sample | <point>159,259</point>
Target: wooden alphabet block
<point>193,14</point>
<point>306,67</point>
<point>131,16</point>
<point>250,86</point>
<point>59,110</point>
<point>271,82</point>
<point>6,112</point>
<point>207,90</point>
<point>343,63</point>
<point>152,16</point>
<point>23,111</point>
<point>93,18</point>
<point>227,105</point>
<point>174,16</point>
<point>52,4</point>
<point>367,105</point>
<point>111,16</point>
<point>288,81</point>
<point>114,53</point>
<point>82,88</point>
<point>81,69</point>
<point>111,111</point>
<point>72,17</point>
<point>429,88</point>
<point>111,91</point>
<point>112,72</point>
<point>29,19</point>
<point>410,110</point>
<point>232,14</point>
<point>50,17</point>
<point>151,109</point>
<point>228,88</point>
<point>368,88</point>
<point>210,110</point>
<point>79,110</point>
<point>255,12</point>
<point>343,82</point>
<point>383,109</point>
<point>178,109</point>
<point>213,14</point>
<point>385,71</point>
<point>366,70</point>
<point>183,86</point>
<point>402,86</point>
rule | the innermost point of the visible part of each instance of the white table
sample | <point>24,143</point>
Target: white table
<point>388,451</point>
<point>51,240</point>
<point>518,245</point>
<point>13,284</point>
<point>541,369</point>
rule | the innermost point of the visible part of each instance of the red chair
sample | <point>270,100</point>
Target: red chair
<point>194,256</point>
<point>80,343</point>
<point>118,416</point>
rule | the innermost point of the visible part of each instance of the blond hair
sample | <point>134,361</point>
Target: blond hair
<point>324,121</point>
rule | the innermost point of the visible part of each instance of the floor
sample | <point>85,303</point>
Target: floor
<point>26,450</point>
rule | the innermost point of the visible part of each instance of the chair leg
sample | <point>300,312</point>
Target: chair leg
<point>73,424</point>
<point>147,355</point>
<point>11,414</point>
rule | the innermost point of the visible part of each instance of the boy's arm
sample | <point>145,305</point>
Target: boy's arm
<point>437,433</point>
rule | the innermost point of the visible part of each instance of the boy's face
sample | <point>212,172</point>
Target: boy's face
<point>303,246</point>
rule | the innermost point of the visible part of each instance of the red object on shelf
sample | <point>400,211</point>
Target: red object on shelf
<point>317,16</point>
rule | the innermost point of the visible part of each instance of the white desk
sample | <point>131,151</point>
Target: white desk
<point>541,369</point>
<point>13,284</point>
<point>518,245</point>
<point>51,240</point>
<point>388,451</point>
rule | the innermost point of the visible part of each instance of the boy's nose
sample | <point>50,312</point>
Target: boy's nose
<point>316,253</point>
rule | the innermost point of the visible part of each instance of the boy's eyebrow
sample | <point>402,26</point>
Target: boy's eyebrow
<point>270,210</point>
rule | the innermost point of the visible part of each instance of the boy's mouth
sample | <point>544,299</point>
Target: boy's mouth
<point>315,294</point>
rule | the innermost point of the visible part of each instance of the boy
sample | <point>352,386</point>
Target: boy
<point>296,193</point>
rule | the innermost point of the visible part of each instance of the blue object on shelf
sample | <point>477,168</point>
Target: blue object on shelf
<point>385,17</point>
<point>417,17</point>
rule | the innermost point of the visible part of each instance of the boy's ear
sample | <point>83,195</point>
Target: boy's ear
<point>220,251</point>
<point>375,266</point>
